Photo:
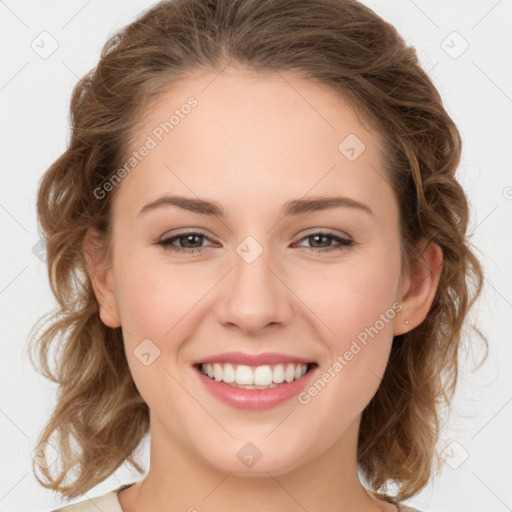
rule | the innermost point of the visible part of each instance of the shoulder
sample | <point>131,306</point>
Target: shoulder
<point>405,508</point>
<point>106,503</point>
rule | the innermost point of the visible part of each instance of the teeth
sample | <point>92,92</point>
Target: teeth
<point>254,377</point>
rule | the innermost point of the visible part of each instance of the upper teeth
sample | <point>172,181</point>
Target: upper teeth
<point>259,375</point>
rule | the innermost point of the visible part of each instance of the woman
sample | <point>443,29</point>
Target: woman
<point>259,249</point>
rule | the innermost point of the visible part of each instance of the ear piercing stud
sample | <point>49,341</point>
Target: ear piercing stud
<point>407,322</point>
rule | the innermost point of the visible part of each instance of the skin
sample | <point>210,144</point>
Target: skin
<point>253,143</point>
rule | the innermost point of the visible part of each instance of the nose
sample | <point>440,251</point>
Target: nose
<point>255,297</point>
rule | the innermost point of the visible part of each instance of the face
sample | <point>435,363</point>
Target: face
<point>321,285</point>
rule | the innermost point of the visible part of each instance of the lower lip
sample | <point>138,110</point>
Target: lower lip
<point>255,399</point>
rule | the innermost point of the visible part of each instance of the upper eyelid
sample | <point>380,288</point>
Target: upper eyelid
<point>188,232</point>
<point>314,231</point>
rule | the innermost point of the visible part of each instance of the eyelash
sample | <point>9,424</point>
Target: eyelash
<point>166,243</point>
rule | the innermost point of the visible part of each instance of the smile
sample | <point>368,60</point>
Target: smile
<point>255,388</point>
<point>258,377</point>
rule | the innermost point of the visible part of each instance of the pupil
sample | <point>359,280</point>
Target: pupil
<point>190,238</point>
<point>316,237</point>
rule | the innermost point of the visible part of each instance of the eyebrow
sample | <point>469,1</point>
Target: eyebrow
<point>293,207</point>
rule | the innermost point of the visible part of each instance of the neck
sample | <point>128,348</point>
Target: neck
<point>179,480</point>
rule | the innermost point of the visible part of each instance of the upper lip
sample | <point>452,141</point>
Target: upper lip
<point>252,359</point>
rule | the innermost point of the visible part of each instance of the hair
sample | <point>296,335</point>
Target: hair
<point>100,418</point>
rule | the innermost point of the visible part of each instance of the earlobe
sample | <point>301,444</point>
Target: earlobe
<point>419,288</point>
<point>99,271</point>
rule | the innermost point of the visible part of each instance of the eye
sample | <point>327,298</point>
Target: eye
<point>321,237</point>
<point>196,239</point>
<point>189,237</point>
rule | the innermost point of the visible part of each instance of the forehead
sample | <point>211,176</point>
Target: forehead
<point>243,135</point>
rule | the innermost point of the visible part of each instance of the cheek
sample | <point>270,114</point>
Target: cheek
<point>148,296</point>
<point>347,296</point>
<point>352,295</point>
<point>357,305</point>
<point>151,304</point>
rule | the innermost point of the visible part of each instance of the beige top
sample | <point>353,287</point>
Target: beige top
<point>109,503</point>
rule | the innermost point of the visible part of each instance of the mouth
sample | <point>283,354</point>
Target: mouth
<point>255,388</point>
<point>259,377</point>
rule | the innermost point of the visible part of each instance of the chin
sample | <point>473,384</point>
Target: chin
<point>248,459</point>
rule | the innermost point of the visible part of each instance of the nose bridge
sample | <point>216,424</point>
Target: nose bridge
<point>253,280</point>
<point>255,296</point>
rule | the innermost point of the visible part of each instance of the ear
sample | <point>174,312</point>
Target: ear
<point>418,287</point>
<point>99,271</point>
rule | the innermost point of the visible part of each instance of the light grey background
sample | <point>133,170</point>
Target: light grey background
<point>476,85</point>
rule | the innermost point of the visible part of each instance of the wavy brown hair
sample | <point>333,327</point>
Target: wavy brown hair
<point>99,417</point>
